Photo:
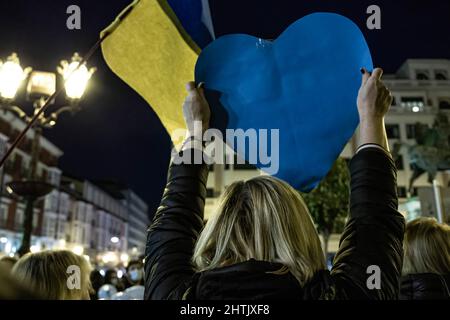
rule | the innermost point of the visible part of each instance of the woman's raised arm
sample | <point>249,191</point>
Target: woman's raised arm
<point>179,218</point>
<point>369,261</point>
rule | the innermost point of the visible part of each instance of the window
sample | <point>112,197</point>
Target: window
<point>414,104</point>
<point>444,104</point>
<point>401,192</point>
<point>3,215</point>
<point>50,226</point>
<point>394,101</point>
<point>411,131</point>
<point>210,193</point>
<point>393,131</point>
<point>399,163</point>
<point>51,201</point>
<point>18,219</point>
<point>35,220</point>
<point>2,147</point>
<point>413,101</point>
<point>53,177</point>
<point>441,75</point>
<point>422,75</point>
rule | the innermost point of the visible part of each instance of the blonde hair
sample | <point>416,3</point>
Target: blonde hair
<point>263,219</point>
<point>426,247</point>
<point>46,274</point>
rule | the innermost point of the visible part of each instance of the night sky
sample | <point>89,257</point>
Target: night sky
<point>117,136</point>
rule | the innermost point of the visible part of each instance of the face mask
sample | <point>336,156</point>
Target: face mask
<point>136,275</point>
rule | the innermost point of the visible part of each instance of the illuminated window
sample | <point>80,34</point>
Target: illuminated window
<point>415,104</point>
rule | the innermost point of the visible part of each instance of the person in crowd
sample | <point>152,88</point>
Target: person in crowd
<point>49,273</point>
<point>134,275</point>
<point>97,280</point>
<point>111,278</point>
<point>12,289</point>
<point>7,263</point>
<point>426,264</point>
<point>262,243</point>
<point>106,292</point>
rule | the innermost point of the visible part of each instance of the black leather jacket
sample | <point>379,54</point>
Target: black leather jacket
<point>425,286</point>
<point>373,236</point>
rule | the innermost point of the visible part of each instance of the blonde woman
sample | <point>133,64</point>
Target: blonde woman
<point>262,243</point>
<point>426,266</point>
<point>55,275</point>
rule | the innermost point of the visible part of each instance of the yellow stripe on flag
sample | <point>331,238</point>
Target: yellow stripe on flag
<point>150,51</point>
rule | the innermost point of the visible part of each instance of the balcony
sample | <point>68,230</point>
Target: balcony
<point>401,109</point>
<point>419,84</point>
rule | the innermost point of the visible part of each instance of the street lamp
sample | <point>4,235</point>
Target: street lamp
<point>41,86</point>
<point>76,80</point>
<point>11,76</point>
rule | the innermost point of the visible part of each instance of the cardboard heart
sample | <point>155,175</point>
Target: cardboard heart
<point>304,83</point>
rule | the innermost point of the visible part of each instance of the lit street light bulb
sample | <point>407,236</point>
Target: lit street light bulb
<point>76,80</point>
<point>11,77</point>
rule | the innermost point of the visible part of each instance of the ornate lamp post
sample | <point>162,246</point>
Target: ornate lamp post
<point>41,85</point>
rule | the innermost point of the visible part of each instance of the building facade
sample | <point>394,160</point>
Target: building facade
<point>138,221</point>
<point>80,215</point>
<point>11,207</point>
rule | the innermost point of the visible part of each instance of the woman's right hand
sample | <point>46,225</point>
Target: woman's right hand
<point>374,100</point>
<point>196,111</point>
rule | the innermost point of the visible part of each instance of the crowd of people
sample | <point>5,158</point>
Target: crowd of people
<point>48,275</point>
<point>262,243</point>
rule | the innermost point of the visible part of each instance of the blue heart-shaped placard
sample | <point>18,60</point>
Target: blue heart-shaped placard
<point>304,83</point>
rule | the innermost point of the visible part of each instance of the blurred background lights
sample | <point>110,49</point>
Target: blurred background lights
<point>115,240</point>
<point>78,250</point>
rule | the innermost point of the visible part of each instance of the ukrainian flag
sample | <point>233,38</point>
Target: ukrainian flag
<point>153,46</point>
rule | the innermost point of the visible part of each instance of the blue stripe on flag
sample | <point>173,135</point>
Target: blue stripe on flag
<point>192,16</point>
